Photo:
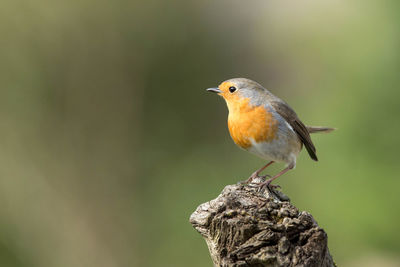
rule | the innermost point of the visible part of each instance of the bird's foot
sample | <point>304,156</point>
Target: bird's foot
<point>253,177</point>
<point>267,185</point>
<point>272,190</point>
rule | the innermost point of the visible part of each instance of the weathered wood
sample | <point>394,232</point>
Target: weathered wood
<point>243,227</point>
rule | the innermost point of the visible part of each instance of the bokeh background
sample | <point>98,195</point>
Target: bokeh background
<point>108,140</point>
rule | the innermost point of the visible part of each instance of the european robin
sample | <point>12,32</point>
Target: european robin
<point>265,125</point>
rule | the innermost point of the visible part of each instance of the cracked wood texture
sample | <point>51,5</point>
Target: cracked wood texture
<point>243,227</point>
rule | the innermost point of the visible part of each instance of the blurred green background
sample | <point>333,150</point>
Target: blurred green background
<point>108,140</point>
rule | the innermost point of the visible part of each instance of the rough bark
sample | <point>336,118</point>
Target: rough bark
<point>244,227</point>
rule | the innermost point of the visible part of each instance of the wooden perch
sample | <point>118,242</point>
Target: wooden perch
<point>243,227</point>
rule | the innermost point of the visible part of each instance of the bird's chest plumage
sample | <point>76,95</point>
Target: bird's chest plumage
<point>248,124</point>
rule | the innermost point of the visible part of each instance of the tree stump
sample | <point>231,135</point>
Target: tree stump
<point>245,227</point>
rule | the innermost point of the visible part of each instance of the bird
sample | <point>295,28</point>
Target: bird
<point>265,125</point>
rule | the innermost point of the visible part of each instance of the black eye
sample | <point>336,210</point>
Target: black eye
<point>232,89</point>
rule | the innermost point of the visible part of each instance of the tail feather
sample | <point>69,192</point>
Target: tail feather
<point>318,129</point>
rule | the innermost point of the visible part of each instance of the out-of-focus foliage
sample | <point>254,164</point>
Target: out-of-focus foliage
<point>108,140</point>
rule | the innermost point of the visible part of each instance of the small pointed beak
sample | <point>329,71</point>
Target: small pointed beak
<point>214,90</point>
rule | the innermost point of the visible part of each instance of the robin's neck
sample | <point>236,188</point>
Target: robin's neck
<point>240,106</point>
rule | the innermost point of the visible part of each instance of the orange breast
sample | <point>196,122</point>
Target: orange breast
<point>246,122</point>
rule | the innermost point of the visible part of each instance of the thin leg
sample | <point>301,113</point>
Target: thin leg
<point>256,173</point>
<point>268,182</point>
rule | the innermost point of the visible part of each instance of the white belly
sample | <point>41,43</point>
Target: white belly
<point>285,147</point>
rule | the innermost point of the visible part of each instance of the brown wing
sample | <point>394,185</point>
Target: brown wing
<point>290,116</point>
